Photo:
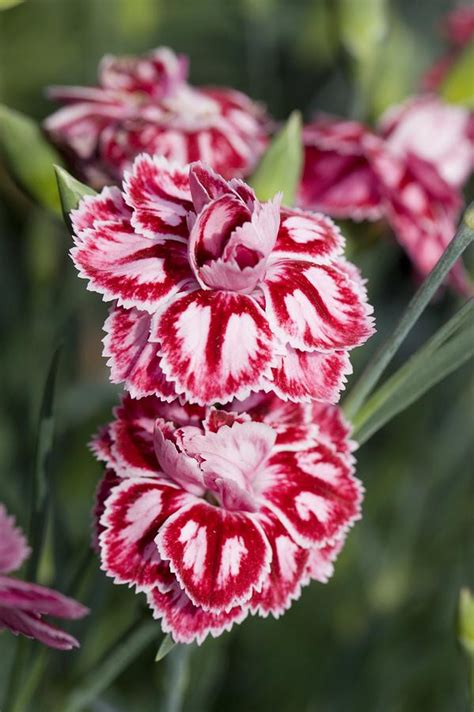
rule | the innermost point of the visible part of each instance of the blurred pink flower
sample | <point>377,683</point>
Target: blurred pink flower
<point>353,172</point>
<point>23,604</point>
<point>458,27</point>
<point>216,514</point>
<point>216,294</point>
<point>144,104</point>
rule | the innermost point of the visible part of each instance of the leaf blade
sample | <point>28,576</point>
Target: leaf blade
<point>71,191</point>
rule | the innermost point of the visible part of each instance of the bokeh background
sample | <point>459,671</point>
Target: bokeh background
<point>380,636</point>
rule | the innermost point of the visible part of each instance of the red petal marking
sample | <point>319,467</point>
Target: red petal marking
<point>186,622</point>
<point>102,493</point>
<point>314,495</point>
<point>13,545</point>
<point>94,210</point>
<point>134,512</point>
<point>159,194</point>
<point>288,571</point>
<point>315,306</point>
<point>308,236</point>
<point>215,345</point>
<point>218,557</point>
<point>303,376</point>
<point>206,185</point>
<point>37,599</point>
<point>101,445</point>
<point>135,270</point>
<point>321,560</point>
<point>132,359</point>
<point>333,427</point>
<point>31,626</point>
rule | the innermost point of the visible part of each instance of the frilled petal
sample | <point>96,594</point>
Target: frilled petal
<point>308,236</point>
<point>177,465</point>
<point>214,345</point>
<point>135,270</point>
<point>218,557</point>
<point>159,194</point>
<point>37,599</point>
<point>102,493</point>
<point>32,626</point>
<point>313,306</point>
<point>288,571</point>
<point>205,185</point>
<point>320,566</point>
<point>315,497</point>
<point>13,545</point>
<point>188,623</point>
<point>94,210</point>
<point>134,513</point>
<point>311,375</point>
<point>132,358</point>
<point>333,427</point>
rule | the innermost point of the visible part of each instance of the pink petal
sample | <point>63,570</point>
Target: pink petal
<point>186,622</point>
<point>304,376</point>
<point>218,557</point>
<point>133,514</point>
<point>159,194</point>
<point>25,623</point>
<point>205,185</point>
<point>313,306</point>
<point>314,495</point>
<point>37,599</point>
<point>215,345</point>
<point>132,358</point>
<point>177,465</point>
<point>308,236</point>
<point>13,545</point>
<point>288,571</point>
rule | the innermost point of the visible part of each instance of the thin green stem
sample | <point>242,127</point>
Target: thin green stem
<point>177,678</point>
<point>377,365</point>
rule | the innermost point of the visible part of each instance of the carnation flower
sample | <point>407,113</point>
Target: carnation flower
<point>23,604</point>
<point>145,104</point>
<point>352,172</point>
<point>215,514</point>
<point>216,294</point>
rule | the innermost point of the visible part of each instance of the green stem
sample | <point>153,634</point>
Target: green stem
<point>15,677</point>
<point>377,365</point>
<point>177,679</point>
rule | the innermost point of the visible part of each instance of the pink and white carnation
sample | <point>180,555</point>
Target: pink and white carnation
<point>23,605</point>
<point>215,514</point>
<point>352,172</point>
<point>145,104</point>
<point>216,294</point>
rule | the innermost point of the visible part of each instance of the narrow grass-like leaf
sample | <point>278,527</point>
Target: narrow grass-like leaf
<point>112,665</point>
<point>458,87</point>
<point>177,678</point>
<point>40,484</point>
<point>7,4</point>
<point>408,384</point>
<point>71,192</point>
<point>166,645</point>
<point>29,157</point>
<point>377,365</point>
<point>280,168</point>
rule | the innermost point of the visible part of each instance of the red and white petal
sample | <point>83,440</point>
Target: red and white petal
<point>219,557</point>
<point>133,515</point>
<point>159,194</point>
<point>132,358</point>
<point>101,446</point>
<point>315,306</point>
<point>137,271</point>
<point>38,600</point>
<point>288,573</point>
<point>188,623</point>
<point>304,376</point>
<point>308,236</point>
<point>320,565</point>
<point>333,427</point>
<point>32,626</point>
<point>108,206</point>
<point>214,345</point>
<point>205,185</point>
<point>317,502</point>
<point>178,466</point>
<point>14,548</point>
<point>102,493</point>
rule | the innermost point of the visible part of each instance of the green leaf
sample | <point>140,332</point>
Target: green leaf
<point>167,644</point>
<point>280,167</point>
<point>374,370</point>
<point>71,192</point>
<point>122,654</point>
<point>458,87</point>
<point>7,4</point>
<point>446,351</point>
<point>362,27</point>
<point>29,157</point>
<point>40,486</point>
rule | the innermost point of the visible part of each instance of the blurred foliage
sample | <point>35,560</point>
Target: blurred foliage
<point>381,635</point>
<point>458,87</point>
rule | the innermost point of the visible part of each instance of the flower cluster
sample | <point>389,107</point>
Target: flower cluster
<point>215,514</point>
<point>146,104</point>
<point>23,604</point>
<point>409,173</point>
<point>216,294</point>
